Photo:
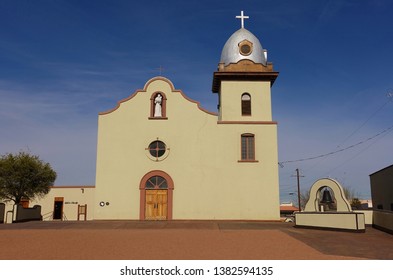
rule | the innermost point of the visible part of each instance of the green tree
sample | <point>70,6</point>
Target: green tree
<point>24,176</point>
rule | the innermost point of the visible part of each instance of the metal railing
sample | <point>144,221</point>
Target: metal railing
<point>49,217</point>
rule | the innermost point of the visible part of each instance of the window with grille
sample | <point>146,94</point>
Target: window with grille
<point>157,149</point>
<point>156,182</point>
<point>246,104</point>
<point>247,147</point>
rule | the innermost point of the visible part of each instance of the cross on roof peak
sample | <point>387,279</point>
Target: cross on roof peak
<point>242,17</point>
<point>161,69</point>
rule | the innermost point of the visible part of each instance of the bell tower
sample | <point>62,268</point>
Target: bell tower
<point>243,79</point>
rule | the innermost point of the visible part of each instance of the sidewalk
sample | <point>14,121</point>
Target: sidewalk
<point>188,240</point>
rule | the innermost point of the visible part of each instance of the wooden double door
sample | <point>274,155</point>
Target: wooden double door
<point>156,204</point>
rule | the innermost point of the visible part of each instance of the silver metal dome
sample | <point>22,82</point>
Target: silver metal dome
<point>231,54</point>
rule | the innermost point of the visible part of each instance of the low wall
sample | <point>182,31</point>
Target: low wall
<point>383,220</point>
<point>2,212</point>
<point>368,216</point>
<point>28,214</point>
<point>349,221</point>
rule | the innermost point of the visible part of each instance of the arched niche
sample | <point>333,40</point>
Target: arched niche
<point>338,191</point>
<point>158,102</point>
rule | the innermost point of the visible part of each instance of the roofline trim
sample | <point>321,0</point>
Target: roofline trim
<point>219,76</point>
<point>72,187</point>
<point>383,169</point>
<point>145,90</point>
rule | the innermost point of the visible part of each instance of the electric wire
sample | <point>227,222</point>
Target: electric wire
<point>287,188</point>
<point>390,98</point>
<point>360,152</point>
<point>281,163</point>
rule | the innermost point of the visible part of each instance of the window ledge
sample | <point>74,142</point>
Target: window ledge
<point>157,118</point>
<point>248,160</point>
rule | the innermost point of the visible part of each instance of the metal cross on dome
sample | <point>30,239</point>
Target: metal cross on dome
<point>242,18</point>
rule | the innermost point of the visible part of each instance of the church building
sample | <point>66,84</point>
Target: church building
<point>161,156</point>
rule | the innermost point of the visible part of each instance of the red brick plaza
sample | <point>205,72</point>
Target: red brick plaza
<point>188,240</point>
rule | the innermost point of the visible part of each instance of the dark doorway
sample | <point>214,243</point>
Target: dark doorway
<point>58,208</point>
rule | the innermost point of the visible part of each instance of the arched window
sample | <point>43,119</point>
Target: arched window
<point>246,104</point>
<point>158,106</point>
<point>156,182</point>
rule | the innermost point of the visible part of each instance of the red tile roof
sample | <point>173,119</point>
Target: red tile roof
<point>288,208</point>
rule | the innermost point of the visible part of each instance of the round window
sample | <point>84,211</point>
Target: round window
<point>157,150</point>
<point>245,49</point>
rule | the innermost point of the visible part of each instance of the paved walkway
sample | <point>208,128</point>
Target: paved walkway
<point>189,240</point>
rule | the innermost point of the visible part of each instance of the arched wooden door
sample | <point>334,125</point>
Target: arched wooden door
<point>156,190</point>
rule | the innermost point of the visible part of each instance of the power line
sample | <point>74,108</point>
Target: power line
<point>360,152</point>
<point>337,151</point>
<point>389,95</point>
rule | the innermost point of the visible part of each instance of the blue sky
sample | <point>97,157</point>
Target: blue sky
<point>63,62</point>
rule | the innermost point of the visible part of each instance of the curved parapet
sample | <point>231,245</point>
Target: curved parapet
<point>158,84</point>
<point>313,202</point>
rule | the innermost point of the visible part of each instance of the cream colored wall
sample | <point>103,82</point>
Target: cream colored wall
<point>72,197</point>
<point>368,216</point>
<point>348,220</point>
<point>209,182</point>
<point>8,217</point>
<point>383,219</point>
<point>229,189</point>
<point>230,95</point>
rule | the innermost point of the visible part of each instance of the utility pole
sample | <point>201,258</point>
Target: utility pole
<point>298,187</point>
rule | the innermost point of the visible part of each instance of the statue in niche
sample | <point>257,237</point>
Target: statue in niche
<point>157,106</point>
